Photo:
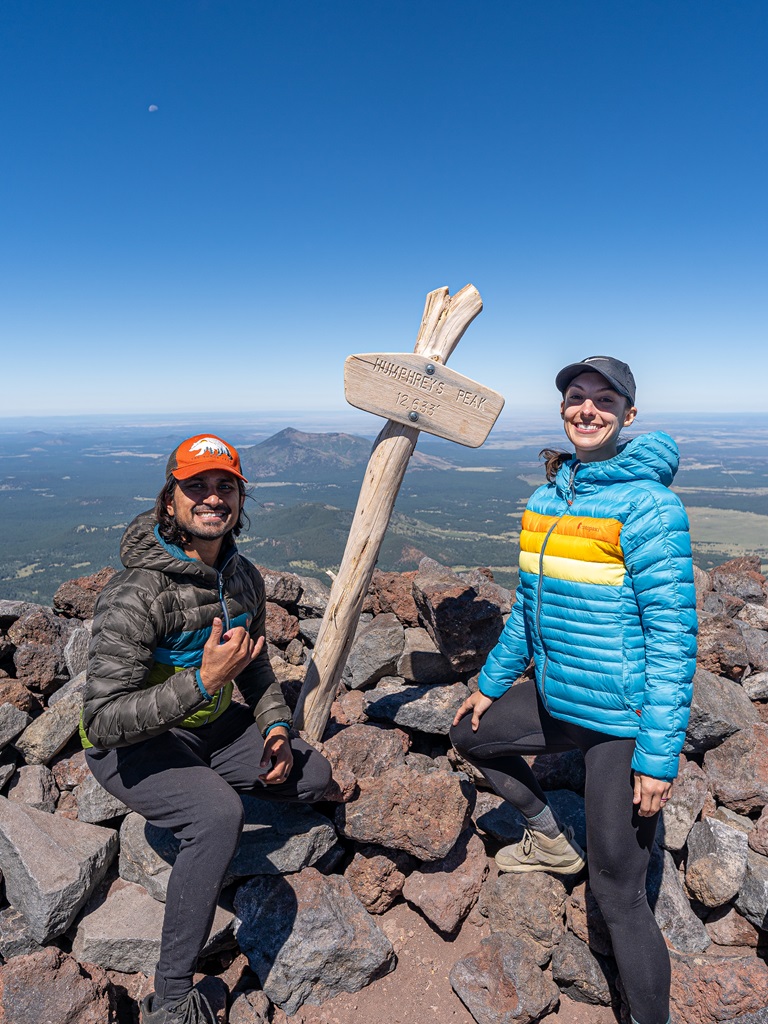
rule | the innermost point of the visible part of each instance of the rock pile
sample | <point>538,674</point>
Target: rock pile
<point>85,880</point>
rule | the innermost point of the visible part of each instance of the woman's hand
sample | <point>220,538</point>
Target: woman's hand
<point>651,794</point>
<point>478,704</point>
<point>278,757</point>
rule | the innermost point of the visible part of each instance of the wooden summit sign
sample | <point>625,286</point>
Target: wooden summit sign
<point>418,391</point>
<point>415,392</point>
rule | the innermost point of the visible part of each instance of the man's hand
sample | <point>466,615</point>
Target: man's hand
<point>478,704</point>
<point>278,755</point>
<point>650,794</point>
<point>225,656</point>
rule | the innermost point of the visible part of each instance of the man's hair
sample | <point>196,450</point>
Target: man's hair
<point>168,527</point>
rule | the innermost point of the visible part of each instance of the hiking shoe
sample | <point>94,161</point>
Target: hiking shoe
<point>193,1009</point>
<point>537,852</point>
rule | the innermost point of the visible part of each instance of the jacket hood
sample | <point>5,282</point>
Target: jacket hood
<point>142,547</point>
<point>654,457</point>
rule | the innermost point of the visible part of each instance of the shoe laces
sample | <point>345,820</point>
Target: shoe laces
<point>195,1009</point>
<point>526,843</point>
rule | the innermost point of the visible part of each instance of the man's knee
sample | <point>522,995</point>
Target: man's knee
<point>222,815</point>
<point>315,777</point>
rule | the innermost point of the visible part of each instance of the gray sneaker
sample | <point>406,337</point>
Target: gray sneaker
<point>537,852</point>
<point>193,1009</point>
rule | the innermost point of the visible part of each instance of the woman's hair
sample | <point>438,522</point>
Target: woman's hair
<point>553,460</point>
<point>168,527</point>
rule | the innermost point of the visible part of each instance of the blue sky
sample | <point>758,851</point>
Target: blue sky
<point>597,169</point>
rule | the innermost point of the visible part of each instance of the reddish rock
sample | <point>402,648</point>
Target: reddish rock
<point>741,578</point>
<point>707,989</point>
<point>688,795</point>
<point>71,771</point>
<point>281,587</point>
<point>40,638</point>
<point>500,983</point>
<point>463,619</point>
<point>702,583</point>
<point>721,646</point>
<point>529,905</point>
<point>367,750</point>
<point>67,806</point>
<point>421,813</point>
<point>77,598</point>
<point>393,592</point>
<point>12,691</point>
<point>737,770</point>
<point>348,708</point>
<point>726,927</point>
<point>586,920</point>
<point>376,876</point>
<point>51,986</point>
<point>758,837</point>
<point>281,626</point>
<point>446,890</point>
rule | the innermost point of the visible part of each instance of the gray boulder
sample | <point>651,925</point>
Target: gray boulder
<point>720,708</point>
<point>34,786</point>
<point>51,732</point>
<point>308,938</point>
<point>501,983</point>
<point>737,770</point>
<point>463,618</point>
<point>752,901</point>
<point>15,936</point>
<point>425,708</point>
<point>684,806</point>
<point>12,722</point>
<point>76,651</point>
<point>278,838</point>
<point>756,685</point>
<point>120,930</point>
<point>679,925</point>
<point>75,685</point>
<point>313,599</point>
<point>716,863</point>
<point>51,865</point>
<point>581,975</point>
<point>95,804</point>
<point>375,652</point>
<point>421,661</point>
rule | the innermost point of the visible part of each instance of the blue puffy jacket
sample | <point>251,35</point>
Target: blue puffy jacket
<point>606,604</point>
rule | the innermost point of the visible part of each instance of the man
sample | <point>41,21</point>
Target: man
<point>171,633</point>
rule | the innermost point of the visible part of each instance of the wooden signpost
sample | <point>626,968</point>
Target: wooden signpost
<point>415,391</point>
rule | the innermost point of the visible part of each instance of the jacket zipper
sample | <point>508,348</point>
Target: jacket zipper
<point>570,499</point>
<point>226,619</point>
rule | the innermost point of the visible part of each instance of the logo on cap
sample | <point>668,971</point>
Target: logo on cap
<point>210,446</point>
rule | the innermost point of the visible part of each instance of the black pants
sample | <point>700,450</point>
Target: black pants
<point>187,780</point>
<point>619,841</point>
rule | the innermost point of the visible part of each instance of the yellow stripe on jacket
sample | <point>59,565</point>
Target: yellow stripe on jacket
<point>579,548</point>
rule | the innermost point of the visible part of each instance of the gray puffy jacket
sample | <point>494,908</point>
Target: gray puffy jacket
<point>150,625</point>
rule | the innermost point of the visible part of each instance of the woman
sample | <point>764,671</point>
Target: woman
<point>606,609</point>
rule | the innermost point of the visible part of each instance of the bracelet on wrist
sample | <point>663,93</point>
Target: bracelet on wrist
<point>274,725</point>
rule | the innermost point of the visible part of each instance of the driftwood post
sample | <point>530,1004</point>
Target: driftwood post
<point>416,392</point>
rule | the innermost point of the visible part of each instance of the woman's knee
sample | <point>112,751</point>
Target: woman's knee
<point>461,735</point>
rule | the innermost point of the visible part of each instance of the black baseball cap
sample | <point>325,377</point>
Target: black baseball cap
<point>618,374</point>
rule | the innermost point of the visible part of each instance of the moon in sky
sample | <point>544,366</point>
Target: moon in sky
<point>152,108</point>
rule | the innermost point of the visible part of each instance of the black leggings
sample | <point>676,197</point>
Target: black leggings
<point>619,841</point>
<point>187,780</point>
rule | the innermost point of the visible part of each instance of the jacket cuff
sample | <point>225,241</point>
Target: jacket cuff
<point>489,688</point>
<point>201,688</point>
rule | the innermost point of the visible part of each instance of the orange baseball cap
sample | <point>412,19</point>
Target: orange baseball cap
<point>200,453</point>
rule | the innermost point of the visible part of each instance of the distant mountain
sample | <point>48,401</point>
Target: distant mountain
<point>294,454</point>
